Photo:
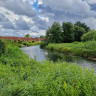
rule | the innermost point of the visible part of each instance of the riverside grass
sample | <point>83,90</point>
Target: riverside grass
<point>23,76</point>
<point>84,49</point>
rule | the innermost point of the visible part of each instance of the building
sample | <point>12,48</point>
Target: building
<point>22,39</point>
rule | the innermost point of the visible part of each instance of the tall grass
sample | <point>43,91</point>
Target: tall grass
<point>23,76</point>
<point>84,49</point>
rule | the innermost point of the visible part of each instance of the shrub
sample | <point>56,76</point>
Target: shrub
<point>43,44</point>
<point>20,45</point>
<point>2,47</point>
<point>91,35</point>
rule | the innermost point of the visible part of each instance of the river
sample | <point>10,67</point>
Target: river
<point>40,55</point>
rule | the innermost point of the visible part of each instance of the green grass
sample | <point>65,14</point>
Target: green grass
<point>23,76</point>
<point>84,49</point>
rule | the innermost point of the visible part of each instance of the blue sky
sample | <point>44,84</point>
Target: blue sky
<point>35,5</point>
<point>19,17</point>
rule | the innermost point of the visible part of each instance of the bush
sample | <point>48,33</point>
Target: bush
<point>2,47</point>
<point>91,35</point>
<point>43,44</point>
<point>20,45</point>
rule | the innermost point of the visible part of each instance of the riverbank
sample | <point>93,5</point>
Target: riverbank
<point>83,49</point>
<point>23,76</point>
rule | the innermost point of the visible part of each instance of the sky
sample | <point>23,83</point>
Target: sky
<point>21,17</point>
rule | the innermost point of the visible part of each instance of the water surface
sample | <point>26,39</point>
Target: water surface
<point>40,55</point>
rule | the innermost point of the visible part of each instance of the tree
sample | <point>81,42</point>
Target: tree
<point>28,36</point>
<point>91,35</point>
<point>78,23</point>
<point>67,32</point>
<point>78,32</point>
<point>42,36</point>
<point>54,33</point>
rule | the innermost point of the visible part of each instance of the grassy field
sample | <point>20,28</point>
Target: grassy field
<point>22,76</point>
<point>84,49</point>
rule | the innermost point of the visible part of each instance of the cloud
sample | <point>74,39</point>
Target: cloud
<point>19,7</point>
<point>90,22</point>
<point>19,17</point>
<point>5,23</point>
<point>73,6</point>
<point>21,24</point>
<point>91,1</point>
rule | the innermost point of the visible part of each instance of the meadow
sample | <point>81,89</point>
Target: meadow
<point>23,76</point>
<point>84,49</point>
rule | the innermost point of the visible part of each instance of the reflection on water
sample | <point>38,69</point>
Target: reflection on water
<point>41,55</point>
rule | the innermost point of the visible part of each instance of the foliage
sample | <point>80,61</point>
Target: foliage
<point>2,47</point>
<point>84,49</point>
<point>91,35</point>
<point>28,36</point>
<point>78,23</point>
<point>43,44</point>
<point>67,34</point>
<point>78,32</point>
<point>22,76</point>
<point>42,36</point>
<point>54,33</point>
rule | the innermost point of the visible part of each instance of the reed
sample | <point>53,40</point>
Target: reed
<point>23,76</point>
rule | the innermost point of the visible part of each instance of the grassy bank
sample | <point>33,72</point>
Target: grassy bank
<point>84,49</point>
<point>21,44</point>
<point>22,76</point>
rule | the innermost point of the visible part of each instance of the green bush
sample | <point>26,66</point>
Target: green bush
<point>20,45</point>
<point>91,35</point>
<point>2,47</point>
<point>20,42</point>
<point>43,44</point>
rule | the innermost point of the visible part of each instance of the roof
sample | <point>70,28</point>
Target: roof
<point>21,38</point>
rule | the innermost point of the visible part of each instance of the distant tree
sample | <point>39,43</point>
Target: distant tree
<point>78,23</point>
<point>54,34</point>
<point>28,36</point>
<point>42,36</point>
<point>67,32</point>
<point>78,32</point>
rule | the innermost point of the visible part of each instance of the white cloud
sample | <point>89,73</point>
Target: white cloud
<point>18,17</point>
<point>40,2</point>
<point>19,7</point>
<point>90,22</point>
<point>91,1</point>
<point>77,7</point>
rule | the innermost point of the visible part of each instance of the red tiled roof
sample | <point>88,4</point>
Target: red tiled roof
<point>21,38</point>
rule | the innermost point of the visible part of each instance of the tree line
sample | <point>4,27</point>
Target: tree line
<point>66,33</point>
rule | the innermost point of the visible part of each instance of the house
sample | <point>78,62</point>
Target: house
<point>22,39</point>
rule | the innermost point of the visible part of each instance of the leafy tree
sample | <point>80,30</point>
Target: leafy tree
<point>42,36</point>
<point>54,33</point>
<point>28,36</point>
<point>67,32</point>
<point>78,32</point>
<point>91,35</point>
<point>78,23</point>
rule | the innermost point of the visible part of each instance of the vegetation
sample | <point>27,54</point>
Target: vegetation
<point>28,36</point>
<point>43,44</point>
<point>54,33</point>
<point>42,36</point>
<point>67,33</point>
<point>2,47</point>
<point>24,43</point>
<point>78,32</point>
<point>91,35</point>
<point>22,76</point>
<point>84,49</point>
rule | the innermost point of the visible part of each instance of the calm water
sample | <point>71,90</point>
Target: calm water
<point>42,55</point>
